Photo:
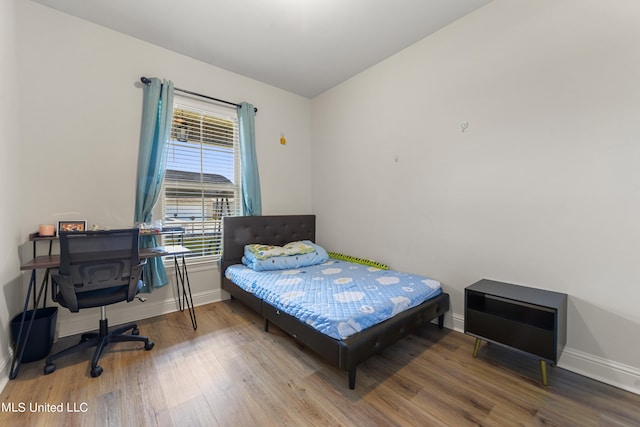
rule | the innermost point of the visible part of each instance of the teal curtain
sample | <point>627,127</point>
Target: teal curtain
<point>157,111</point>
<point>251,200</point>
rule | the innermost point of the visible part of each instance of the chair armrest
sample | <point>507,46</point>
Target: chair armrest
<point>63,282</point>
<point>136,270</point>
<point>134,278</point>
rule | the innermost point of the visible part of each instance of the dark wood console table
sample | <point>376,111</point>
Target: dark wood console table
<point>532,321</point>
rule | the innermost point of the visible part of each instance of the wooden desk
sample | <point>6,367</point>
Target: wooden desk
<point>182,277</point>
<point>42,262</point>
<point>47,262</point>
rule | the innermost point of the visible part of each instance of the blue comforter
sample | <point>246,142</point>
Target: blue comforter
<point>337,298</point>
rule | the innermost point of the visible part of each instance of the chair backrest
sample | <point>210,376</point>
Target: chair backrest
<point>93,260</point>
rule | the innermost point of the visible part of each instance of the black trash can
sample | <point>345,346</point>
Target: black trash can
<point>42,333</point>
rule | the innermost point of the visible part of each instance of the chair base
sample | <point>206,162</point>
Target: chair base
<point>99,340</point>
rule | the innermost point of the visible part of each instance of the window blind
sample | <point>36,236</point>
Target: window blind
<point>201,183</point>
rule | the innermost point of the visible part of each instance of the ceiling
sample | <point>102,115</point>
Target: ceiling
<point>303,46</point>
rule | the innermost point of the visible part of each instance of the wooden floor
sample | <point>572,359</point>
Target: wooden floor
<point>231,373</point>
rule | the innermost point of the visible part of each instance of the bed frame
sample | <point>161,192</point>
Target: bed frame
<point>345,354</point>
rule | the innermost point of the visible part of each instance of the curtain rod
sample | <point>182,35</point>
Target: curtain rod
<point>146,81</point>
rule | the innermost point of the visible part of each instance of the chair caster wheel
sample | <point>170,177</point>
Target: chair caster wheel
<point>49,368</point>
<point>95,372</point>
<point>135,331</point>
<point>149,345</point>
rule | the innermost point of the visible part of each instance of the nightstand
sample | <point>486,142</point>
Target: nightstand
<point>532,321</point>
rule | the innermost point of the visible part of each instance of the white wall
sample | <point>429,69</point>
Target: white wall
<point>81,103</point>
<point>542,189</point>
<point>10,192</point>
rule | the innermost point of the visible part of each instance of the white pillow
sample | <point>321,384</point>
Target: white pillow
<point>263,252</point>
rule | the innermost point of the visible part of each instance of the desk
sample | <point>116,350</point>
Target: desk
<point>42,262</point>
<point>182,276</point>
<point>47,262</point>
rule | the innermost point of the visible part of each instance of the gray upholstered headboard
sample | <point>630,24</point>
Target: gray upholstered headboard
<point>238,231</point>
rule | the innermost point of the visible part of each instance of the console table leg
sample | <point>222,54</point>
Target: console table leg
<point>476,347</point>
<point>543,372</point>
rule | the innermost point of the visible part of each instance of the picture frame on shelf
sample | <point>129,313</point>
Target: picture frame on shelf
<point>72,226</point>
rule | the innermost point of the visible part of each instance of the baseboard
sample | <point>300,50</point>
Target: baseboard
<point>122,313</point>
<point>457,322</point>
<point>613,373</point>
<point>603,370</point>
<point>4,368</point>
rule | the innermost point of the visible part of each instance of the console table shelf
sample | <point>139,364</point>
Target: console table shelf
<point>532,321</point>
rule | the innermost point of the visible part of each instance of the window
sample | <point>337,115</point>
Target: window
<point>202,178</point>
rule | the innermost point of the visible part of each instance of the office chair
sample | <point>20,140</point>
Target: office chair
<point>98,268</point>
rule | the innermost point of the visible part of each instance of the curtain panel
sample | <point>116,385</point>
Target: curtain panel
<point>251,199</point>
<point>157,112</point>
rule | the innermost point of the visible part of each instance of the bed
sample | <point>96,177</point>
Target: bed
<point>343,350</point>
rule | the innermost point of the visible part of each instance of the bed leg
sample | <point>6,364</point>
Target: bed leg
<point>352,378</point>
<point>266,325</point>
<point>441,321</point>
